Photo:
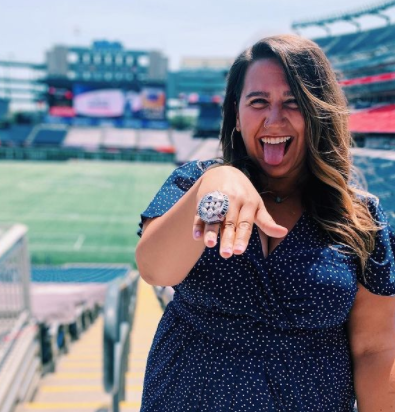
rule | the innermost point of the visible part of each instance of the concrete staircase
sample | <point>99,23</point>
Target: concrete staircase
<point>76,385</point>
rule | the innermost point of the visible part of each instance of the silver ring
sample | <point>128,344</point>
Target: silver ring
<point>213,207</point>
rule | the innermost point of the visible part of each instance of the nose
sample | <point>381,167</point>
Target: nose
<point>275,118</point>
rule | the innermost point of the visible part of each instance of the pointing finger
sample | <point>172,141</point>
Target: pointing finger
<point>267,224</point>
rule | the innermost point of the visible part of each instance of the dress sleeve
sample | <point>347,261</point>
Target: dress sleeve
<point>379,276</point>
<point>177,184</point>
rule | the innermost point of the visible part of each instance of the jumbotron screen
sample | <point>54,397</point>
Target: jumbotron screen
<point>91,105</point>
<point>149,103</point>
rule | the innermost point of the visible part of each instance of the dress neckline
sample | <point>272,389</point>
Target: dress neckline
<point>282,243</point>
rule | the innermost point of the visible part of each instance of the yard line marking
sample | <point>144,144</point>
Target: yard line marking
<point>79,242</point>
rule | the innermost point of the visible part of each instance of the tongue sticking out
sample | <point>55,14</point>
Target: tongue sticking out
<point>273,154</point>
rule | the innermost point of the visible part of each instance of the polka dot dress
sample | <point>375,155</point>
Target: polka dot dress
<point>250,333</point>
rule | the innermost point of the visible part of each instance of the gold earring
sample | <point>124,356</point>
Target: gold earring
<point>231,137</point>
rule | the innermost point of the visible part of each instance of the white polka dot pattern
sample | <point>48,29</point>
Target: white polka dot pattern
<point>249,333</point>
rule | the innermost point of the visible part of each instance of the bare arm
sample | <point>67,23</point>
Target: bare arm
<point>167,251</point>
<point>170,245</point>
<point>372,340</point>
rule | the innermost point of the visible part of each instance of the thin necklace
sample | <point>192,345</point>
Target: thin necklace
<point>278,199</point>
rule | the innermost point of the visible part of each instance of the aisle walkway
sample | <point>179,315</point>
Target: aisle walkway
<point>77,383</point>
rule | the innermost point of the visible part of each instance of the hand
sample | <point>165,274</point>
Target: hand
<point>246,207</point>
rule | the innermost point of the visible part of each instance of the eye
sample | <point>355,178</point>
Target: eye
<point>258,103</point>
<point>292,104</point>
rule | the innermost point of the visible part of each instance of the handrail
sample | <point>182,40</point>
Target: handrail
<point>119,311</point>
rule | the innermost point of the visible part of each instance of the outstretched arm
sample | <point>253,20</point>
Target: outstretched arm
<point>170,245</point>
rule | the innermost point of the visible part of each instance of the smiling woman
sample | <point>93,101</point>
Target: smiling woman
<point>280,266</point>
<point>268,117</point>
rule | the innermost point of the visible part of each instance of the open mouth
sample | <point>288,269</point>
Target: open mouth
<point>277,141</point>
<point>275,148</point>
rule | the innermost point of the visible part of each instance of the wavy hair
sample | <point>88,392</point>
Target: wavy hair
<point>337,206</point>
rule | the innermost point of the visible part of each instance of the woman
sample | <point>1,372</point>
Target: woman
<point>282,305</point>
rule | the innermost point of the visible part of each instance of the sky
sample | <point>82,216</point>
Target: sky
<point>179,28</point>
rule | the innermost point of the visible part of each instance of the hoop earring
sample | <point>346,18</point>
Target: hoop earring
<point>231,137</point>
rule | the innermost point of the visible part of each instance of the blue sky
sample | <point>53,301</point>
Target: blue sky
<point>181,28</point>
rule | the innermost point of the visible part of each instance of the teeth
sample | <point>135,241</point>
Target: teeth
<point>275,140</point>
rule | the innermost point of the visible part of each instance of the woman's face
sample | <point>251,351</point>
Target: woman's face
<point>270,122</point>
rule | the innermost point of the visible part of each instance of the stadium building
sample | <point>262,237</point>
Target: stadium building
<point>106,83</point>
<point>199,77</point>
<point>131,77</point>
<point>70,308</point>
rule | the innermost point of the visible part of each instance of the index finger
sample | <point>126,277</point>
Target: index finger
<point>267,224</point>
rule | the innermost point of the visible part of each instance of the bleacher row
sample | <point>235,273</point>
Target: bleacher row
<point>181,143</point>
<point>43,313</point>
<point>65,300</point>
<point>378,168</point>
<point>358,42</point>
<point>90,138</point>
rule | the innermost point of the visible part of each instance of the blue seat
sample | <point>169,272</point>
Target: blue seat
<point>75,274</point>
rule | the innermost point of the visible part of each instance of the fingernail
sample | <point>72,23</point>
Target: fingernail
<point>197,234</point>
<point>239,249</point>
<point>211,242</point>
<point>227,251</point>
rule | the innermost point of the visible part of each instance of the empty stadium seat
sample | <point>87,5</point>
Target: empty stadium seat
<point>16,135</point>
<point>48,137</point>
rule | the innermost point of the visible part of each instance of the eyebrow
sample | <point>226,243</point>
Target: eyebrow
<point>267,94</point>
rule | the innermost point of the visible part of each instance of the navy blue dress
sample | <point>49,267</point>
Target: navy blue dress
<point>250,333</point>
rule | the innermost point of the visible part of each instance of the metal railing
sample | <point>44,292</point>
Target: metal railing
<point>118,322</point>
<point>14,283</point>
<point>20,367</point>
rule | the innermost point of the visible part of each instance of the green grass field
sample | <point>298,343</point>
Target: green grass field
<point>79,211</point>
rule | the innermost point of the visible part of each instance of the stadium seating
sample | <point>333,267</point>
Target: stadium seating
<point>379,119</point>
<point>48,137</point>
<point>363,41</point>
<point>119,138</point>
<point>16,135</point>
<point>78,274</point>
<point>86,137</point>
<point>380,178</point>
<point>158,140</point>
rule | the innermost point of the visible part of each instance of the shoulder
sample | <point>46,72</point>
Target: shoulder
<point>199,165</point>
<point>186,175</point>
<point>372,202</point>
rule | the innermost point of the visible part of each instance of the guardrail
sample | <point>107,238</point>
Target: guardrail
<point>20,367</point>
<point>118,322</point>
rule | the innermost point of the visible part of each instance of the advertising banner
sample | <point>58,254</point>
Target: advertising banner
<point>95,106</point>
<point>104,103</point>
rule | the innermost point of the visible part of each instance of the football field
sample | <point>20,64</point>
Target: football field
<point>79,211</point>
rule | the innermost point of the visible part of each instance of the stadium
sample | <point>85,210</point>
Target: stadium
<point>81,168</point>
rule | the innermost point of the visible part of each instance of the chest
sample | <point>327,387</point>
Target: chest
<point>288,220</point>
<point>304,282</point>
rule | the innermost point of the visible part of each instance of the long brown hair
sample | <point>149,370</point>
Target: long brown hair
<point>333,202</point>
